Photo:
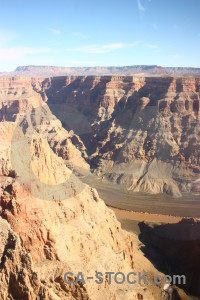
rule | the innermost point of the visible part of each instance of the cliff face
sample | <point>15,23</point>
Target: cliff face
<point>51,223</point>
<point>23,102</point>
<point>43,237</point>
<point>177,247</point>
<point>46,71</point>
<point>141,132</point>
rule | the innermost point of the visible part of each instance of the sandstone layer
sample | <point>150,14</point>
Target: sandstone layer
<point>51,223</point>
<point>46,71</point>
<point>140,132</point>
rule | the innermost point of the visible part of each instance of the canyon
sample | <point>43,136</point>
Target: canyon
<point>52,223</point>
<point>178,247</point>
<point>52,71</point>
<point>141,133</point>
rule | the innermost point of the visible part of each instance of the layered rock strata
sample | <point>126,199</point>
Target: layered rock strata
<point>140,132</point>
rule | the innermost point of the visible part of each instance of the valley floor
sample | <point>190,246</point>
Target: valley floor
<point>129,221</point>
<point>159,208</point>
<point>154,210</point>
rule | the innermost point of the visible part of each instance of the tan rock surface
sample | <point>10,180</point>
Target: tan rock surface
<point>140,132</point>
<point>22,102</point>
<point>35,71</point>
<point>51,223</point>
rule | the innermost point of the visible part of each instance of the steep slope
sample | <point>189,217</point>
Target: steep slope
<point>51,223</point>
<point>22,102</point>
<point>177,245</point>
<point>141,132</point>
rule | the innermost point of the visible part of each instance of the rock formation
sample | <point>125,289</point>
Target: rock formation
<point>51,223</point>
<point>177,247</point>
<point>140,132</point>
<point>47,71</point>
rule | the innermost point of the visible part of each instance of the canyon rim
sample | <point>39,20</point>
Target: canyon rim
<point>139,133</point>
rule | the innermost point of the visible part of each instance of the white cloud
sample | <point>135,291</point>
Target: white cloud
<point>134,44</point>
<point>151,46</point>
<point>101,49</point>
<point>140,6</point>
<point>6,37</point>
<point>80,35</point>
<point>15,53</point>
<point>12,57</point>
<point>55,31</point>
<point>98,49</point>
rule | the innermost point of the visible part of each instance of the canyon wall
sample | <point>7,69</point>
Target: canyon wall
<point>177,248</point>
<point>140,132</point>
<point>51,223</point>
<point>47,71</point>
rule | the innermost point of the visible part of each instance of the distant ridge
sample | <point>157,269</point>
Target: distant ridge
<point>52,71</point>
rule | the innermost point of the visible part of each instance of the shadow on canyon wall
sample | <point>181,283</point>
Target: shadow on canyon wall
<point>79,104</point>
<point>174,249</point>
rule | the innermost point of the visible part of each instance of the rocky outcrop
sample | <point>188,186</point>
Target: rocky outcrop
<point>52,223</point>
<point>177,247</point>
<point>22,104</point>
<point>140,132</point>
<point>46,71</point>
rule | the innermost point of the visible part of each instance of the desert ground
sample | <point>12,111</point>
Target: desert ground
<point>145,207</point>
<point>130,221</point>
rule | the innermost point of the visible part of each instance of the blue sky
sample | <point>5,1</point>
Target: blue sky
<point>99,33</point>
